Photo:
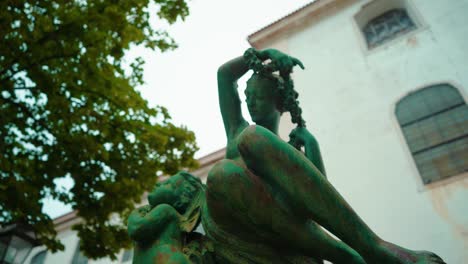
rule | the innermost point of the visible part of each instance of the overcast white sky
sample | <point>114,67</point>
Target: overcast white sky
<point>184,80</point>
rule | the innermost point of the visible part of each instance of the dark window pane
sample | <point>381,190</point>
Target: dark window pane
<point>39,258</point>
<point>427,102</point>
<point>437,129</point>
<point>127,256</point>
<point>443,161</point>
<point>78,257</point>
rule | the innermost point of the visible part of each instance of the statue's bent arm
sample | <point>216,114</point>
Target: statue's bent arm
<point>146,223</point>
<point>301,136</point>
<point>312,152</point>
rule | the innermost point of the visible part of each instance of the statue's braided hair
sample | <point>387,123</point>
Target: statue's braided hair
<point>190,201</point>
<point>287,96</point>
<point>188,191</point>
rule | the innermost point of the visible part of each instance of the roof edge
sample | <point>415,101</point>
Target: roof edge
<point>291,19</point>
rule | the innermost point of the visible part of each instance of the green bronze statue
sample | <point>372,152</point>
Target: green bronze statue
<point>162,228</point>
<point>269,200</point>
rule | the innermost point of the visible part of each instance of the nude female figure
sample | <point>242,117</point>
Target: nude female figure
<point>266,191</point>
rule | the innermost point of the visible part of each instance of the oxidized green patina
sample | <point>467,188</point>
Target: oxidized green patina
<point>161,229</point>
<point>267,201</point>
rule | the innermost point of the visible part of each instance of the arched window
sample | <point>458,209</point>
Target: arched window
<point>387,26</point>
<point>39,257</point>
<point>434,121</point>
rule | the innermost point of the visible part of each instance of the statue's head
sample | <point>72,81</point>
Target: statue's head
<point>268,95</point>
<point>262,98</point>
<point>185,193</point>
<point>178,191</point>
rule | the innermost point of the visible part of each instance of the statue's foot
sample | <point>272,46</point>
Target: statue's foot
<point>393,254</point>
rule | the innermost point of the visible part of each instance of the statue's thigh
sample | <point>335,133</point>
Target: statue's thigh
<point>235,192</point>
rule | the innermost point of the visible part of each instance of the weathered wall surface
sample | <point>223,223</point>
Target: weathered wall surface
<point>70,240</point>
<point>348,96</point>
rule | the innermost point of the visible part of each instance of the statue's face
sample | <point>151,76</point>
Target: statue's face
<point>167,192</point>
<point>260,99</point>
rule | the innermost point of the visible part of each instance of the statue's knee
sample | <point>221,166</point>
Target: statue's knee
<point>248,134</point>
<point>248,139</point>
<point>222,173</point>
<point>253,140</point>
<point>215,172</point>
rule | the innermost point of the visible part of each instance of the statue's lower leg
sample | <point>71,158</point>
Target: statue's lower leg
<point>313,197</point>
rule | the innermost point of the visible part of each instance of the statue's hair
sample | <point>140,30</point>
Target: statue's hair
<point>286,95</point>
<point>188,191</point>
<point>190,201</point>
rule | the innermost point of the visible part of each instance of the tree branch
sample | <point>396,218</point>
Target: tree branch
<point>24,88</point>
<point>28,66</point>
<point>42,124</point>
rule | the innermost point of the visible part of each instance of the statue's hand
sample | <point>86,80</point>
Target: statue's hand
<point>299,137</point>
<point>281,61</point>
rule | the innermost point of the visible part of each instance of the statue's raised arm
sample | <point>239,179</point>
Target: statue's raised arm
<point>229,101</point>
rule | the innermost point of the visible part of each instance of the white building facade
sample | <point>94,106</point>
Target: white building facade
<point>384,92</point>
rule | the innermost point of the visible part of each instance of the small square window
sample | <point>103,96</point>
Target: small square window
<point>381,21</point>
<point>387,26</point>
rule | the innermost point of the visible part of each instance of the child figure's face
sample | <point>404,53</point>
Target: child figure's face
<point>167,192</point>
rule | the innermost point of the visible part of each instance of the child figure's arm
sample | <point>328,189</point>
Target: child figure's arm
<point>145,223</point>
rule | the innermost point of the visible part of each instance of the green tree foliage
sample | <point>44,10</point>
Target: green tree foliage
<point>68,108</point>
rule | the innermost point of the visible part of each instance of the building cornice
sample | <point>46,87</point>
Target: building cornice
<point>67,220</point>
<point>212,157</point>
<point>290,22</point>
